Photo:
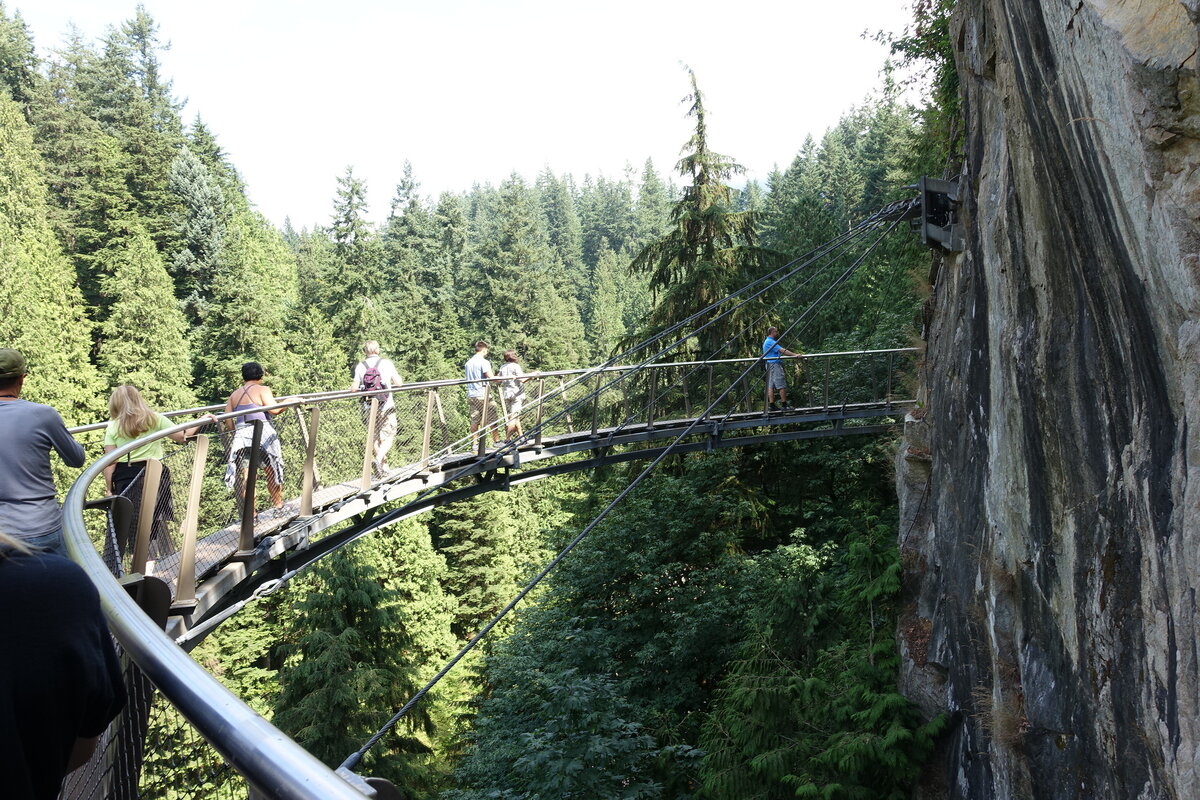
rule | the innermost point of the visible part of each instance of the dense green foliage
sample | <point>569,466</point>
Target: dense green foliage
<point>725,633</point>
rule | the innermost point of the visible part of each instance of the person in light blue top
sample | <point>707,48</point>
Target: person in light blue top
<point>477,369</point>
<point>29,507</point>
<point>773,354</point>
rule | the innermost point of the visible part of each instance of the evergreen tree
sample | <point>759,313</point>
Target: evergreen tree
<point>144,338</point>
<point>652,213</point>
<point>18,62</point>
<point>343,678</point>
<point>85,167</point>
<point>606,326</point>
<point>203,143</point>
<point>812,710</point>
<point>413,573</point>
<point>252,294</point>
<point>125,91</point>
<point>200,225</point>
<point>606,215</point>
<point>317,359</point>
<point>477,539</point>
<point>711,248</point>
<point>564,233</point>
<point>41,309</point>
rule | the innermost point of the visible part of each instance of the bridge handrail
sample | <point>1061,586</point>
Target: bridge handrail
<point>415,386</point>
<point>253,746</point>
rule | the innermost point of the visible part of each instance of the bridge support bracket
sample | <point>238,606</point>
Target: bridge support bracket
<point>939,225</point>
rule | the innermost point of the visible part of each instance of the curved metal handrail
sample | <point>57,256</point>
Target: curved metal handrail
<point>258,750</point>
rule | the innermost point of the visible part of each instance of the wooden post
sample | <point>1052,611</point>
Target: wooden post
<point>246,539</point>
<point>826,384</point>
<point>890,367</point>
<point>503,408</point>
<point>437,401</point>
<point>537,439</point>
<point>687,401</point>
<point>562,391</point>
<point>151,477</point>
<point>185,583</point>
<point>596,406</point>
<point>310,463</point>
<point>427,436</point>
<point>650,399</point>
<point>369,450</point>
<point>625,398</point>
<point>481,438</point>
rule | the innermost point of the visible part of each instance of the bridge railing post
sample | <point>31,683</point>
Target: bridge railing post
<point>891,362</point>
<point>503,420</point>
<point>687,400</point>
<point>596,405</point>
<point>185,584</point>
<point>427,434</point>
<point>541,405</point>
<point>369,449</point>
<point>310,461</point>
<point>151,478</point>
<point>625,398</point>
<point>562,393</point>
<point>826,389</point>
<point>709,401</point>
<point>250,482</point>
<point>653,388</point>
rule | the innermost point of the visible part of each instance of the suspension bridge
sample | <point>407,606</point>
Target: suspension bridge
<point>200,553</point>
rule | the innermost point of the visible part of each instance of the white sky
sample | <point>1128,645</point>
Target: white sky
<point>469,90</point>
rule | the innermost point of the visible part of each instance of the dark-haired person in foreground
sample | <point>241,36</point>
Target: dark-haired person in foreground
<point>60,681</point>
<point>29,507</point>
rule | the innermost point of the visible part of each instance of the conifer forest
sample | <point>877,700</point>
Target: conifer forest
<point>741,646</point>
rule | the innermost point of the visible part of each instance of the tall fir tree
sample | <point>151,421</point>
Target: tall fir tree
<point>653,208</point>
<point>144,337</point>
<point>564,233</point>
<point>86,170</point>
<point>252,295</point>
<point>18,61</point>
<point>126,92</point>
<point>41,309</point>
<point>711,248</point>
<point>343,676</point>
<point>200,224</point>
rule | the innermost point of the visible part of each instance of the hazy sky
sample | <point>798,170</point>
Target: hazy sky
<point>470,91</point>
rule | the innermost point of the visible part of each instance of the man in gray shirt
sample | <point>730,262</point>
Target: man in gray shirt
<point>28,504</point>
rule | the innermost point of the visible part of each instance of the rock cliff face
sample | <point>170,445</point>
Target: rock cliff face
<point>1051,487</point>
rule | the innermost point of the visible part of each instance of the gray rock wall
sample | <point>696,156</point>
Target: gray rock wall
<point>1051,485</point>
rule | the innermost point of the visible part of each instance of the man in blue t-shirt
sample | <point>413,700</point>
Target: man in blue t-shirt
<point>772,355</point>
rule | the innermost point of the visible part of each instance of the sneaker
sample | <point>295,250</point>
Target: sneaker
<point>773,407</point>
<point>787,406</point>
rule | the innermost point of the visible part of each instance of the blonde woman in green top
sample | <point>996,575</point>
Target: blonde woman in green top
<point>132,418</point>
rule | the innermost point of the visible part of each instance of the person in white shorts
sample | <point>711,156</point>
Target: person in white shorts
<point>513,391</point>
